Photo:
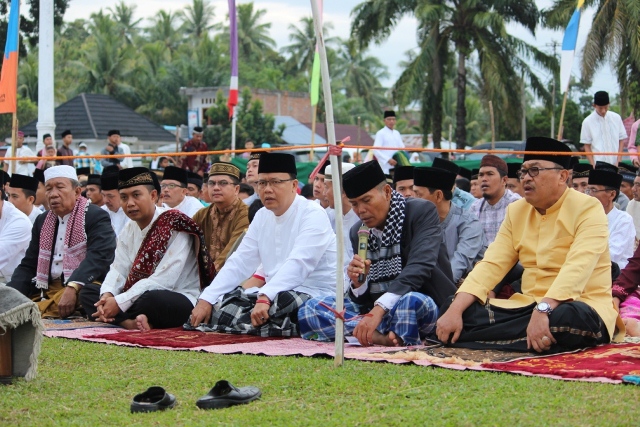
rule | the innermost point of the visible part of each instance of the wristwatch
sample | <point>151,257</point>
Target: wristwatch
<point>544,307</point>
<point>74,285</point>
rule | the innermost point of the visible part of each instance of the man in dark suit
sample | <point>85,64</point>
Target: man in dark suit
<point>406,271</point>
<point>72,245</point>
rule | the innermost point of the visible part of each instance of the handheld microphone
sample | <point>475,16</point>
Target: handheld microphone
<point>363,242</point>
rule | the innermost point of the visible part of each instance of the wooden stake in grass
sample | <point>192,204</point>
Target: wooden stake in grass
<point>336,182</point>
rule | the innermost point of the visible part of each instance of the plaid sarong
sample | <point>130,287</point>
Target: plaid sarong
<point>412,318</point>
<point>233,315</point>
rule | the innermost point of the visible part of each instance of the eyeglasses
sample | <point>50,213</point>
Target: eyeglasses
<point>534,171</point>
<point>262,184</point>
<point>591,190</point>
<point>220,184</point>
<point>171,186</point>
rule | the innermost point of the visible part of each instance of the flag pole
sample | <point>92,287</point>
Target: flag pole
<point>14,137</point>
<point>234,120</point>
<point>336,182</point>
<point>561,124</point>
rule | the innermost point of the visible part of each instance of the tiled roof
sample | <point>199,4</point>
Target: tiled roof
<point>91,116</point>
<point>342,131</point>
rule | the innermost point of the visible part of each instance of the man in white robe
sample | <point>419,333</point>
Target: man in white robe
<point>604,185</point>
<point>15,235</point>
<point>349,217</point>
<point>111,197</point>
<point>22,194</point>
<point>633,208</point>
<point>293,240</point>
<point>174,192</point>
<point>387,137</point>
<point>156,276</point>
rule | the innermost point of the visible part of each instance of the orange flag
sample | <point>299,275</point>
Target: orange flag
<point>9,74</point>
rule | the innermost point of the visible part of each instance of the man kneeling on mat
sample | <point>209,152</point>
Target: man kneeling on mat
<point>156,276</point>
<point>560,237</point>
<point>406,274</point>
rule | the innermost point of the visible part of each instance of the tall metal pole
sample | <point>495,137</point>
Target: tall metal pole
<point>233,131</point>
<point>46,102</point>
<point>336,182</point>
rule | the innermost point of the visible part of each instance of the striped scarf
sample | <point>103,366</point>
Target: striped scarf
<point>384,253</point>
<point>75,243</point>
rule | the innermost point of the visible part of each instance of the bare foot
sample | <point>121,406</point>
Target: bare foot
<point>129,324</point>
<point>388,340</point>
<point>633,327</point>
<point>143,323</point>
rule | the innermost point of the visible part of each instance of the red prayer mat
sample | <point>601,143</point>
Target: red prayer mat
<point>179,338</point>
<point>611,361</point>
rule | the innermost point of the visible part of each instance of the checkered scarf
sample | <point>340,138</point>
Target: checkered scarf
<point>75,243</point>
<point>156,243</point>
<point>384,253</point>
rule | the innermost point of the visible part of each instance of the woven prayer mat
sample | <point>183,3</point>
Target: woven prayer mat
<point>179,338</point>
<point>607,364</point>
<point>73,323</point>
<point>611,361</point>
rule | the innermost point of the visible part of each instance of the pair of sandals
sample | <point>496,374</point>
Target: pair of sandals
<point>222,395</point>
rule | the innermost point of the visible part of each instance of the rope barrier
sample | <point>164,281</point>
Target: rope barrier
<point>305,147</point>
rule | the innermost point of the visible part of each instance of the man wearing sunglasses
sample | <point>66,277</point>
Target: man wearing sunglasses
<point>227,218</point>
<point>559,237</point>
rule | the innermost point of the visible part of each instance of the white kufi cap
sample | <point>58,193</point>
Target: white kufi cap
<point>345,168</point>
<point>62,171</point>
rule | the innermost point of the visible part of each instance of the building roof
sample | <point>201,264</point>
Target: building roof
<point>91,116</point>
<point>342,131</point>
<point>296,133</point>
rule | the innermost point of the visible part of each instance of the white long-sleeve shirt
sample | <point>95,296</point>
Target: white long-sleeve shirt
<point>176,272</point>
<point>386,137</point>
<point>189,206</point>
<point>297,250</point>
<point>603,134</point>
<point>118,219</point>
<point>126,162</point>
<point>15,235</point>
<point>622,236</point>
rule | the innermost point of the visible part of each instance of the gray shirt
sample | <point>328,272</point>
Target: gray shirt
<point>463,236</point>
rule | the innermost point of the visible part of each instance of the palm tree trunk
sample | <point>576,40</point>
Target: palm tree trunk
<point>461,110</point>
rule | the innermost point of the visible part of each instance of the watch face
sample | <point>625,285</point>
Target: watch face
<point>543,306</point>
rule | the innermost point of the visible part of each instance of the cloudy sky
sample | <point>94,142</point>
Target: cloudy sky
<point>282,13</point>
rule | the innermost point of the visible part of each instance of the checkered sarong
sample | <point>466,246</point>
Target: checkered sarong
<point>234,315</point>
<point>412,318</point>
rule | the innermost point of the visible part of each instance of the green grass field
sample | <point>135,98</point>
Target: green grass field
<point>87,384</point>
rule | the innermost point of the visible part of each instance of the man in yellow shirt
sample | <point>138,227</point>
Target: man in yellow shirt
<point>560,238</point>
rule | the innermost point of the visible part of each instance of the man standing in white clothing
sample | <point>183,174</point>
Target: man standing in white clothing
<point>292,239</point>
<point>387,137</point>
<point>20,166</point>
<point>602,132</point>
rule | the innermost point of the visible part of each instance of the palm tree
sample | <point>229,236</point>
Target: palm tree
<point>614,36</point>
<point>198,17</point>
<point>123,14</point>
<point>360,75</point>
<point>302,49</point>
<point>253,36</point>
<point>464,27</point>
<point>163,29</point>
<point>107,61</point>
